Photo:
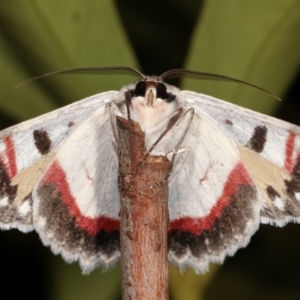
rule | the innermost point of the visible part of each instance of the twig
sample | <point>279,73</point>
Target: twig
<point>144,216</point>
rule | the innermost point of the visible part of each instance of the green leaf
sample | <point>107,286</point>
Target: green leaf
<point>255,41</point>
<point>188,285</point>
<point>70,284</point>
<point>42,36</point>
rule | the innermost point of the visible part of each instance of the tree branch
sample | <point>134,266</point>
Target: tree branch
<point>143,187</point>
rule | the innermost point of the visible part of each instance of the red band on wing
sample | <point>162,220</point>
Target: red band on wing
<point>289,150</point>
<point>10,154</point>
<point>290,159</point>
<point>238,176</point>
<point>92,225</point>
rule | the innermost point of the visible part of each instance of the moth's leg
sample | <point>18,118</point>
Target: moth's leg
<point>171,123</point>
<point>185,119</point>
<point>178,116</point>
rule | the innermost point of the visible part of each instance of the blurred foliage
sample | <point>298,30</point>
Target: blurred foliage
<point>38,37</point>
<point>257,41</point>
<point>188,285</point>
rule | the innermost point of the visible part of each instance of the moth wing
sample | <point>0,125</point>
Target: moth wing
<point>26,150</point>
<point>270,149</point>
<point>214,204</point>
<point>76,200</point>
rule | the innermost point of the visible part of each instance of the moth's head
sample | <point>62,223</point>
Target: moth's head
<point>151,101</point>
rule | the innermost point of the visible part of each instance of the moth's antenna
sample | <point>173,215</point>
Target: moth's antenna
<point>91,71</point>
<point>209,76</point>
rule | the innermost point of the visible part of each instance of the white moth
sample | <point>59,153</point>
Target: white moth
<point>233,169</point>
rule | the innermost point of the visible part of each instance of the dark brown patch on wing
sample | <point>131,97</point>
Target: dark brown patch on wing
<point>70,124</point>
<point>63,232</point>
<point>272,193</point>
<point>230,228</point>
<point>291,204</point>
<point>228,122</point>
<point>6,189</point>
<point>10,213</point>
<point>293,186</point>
<point>258,139</point>
<point>42,141</point>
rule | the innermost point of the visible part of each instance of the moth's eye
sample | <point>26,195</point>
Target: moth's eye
<point>140,89</point>
<point>161,92</point>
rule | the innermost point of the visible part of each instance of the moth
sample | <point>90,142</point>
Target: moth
<point>233,169</point>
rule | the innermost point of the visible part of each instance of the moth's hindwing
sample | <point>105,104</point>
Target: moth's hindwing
<point>76,207</point>
<point>214,202</point>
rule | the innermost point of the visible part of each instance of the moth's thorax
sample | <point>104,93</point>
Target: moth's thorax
<point>149,111</point>
<point>151,102</point>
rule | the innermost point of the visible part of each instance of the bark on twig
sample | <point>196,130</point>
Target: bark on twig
<point>144,216</point>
